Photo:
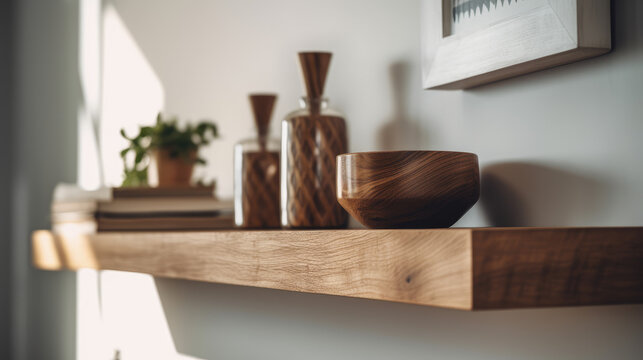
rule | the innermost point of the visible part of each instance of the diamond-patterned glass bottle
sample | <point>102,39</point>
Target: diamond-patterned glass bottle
<point>311,139</point>
<point>256,171</point>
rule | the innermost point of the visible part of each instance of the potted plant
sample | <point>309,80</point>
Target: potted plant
<point>174,149</point>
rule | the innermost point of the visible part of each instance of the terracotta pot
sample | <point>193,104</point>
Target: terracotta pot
<point>174,171</point>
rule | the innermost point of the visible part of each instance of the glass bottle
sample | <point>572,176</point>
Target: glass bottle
<point>256,171</point>
<point>311,139</point>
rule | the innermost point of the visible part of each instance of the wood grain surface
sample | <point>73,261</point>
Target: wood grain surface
<point>454,268</point>
<point>260,190</point>
<point>408,189</point>
<point>312,145</point>
<point>314,69</point>
<point>262,105</point>
<point>311,141</point>
<point>406,266</point>
<point>557,267</point>
<point>259,173</point>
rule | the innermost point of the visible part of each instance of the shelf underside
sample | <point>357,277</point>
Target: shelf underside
<point>469,269</point>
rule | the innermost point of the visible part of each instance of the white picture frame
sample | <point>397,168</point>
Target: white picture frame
<point>560,32</point>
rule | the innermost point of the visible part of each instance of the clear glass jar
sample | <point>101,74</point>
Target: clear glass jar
<point>311,139</point>
<point>256,172</point>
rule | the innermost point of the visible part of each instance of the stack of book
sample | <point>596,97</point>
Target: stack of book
<point>131,209</point>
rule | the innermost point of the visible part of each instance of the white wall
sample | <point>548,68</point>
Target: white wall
<point>206,56</point>
<point>567,135</point>
<point>559,147</point>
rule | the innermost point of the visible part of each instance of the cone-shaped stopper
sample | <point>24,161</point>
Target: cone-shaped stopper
<point>262,105</point>
<point>314,68</point>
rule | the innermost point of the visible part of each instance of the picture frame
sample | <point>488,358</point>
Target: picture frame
<point>553,33</point>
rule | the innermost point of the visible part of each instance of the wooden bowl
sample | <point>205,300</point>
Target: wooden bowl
<point>408,189</point>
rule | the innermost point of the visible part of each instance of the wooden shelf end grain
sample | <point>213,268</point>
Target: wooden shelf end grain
<point>467,269</point>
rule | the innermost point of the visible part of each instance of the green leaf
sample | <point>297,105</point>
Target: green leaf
<point>165,134</point>
<point>139,156</point>
<point>146,131</point>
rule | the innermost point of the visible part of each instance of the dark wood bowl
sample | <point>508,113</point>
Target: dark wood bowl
<point>408,189</point>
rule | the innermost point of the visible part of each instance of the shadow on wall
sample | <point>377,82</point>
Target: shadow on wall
<point>627,35</point>
<point>530,194</point>
<point>400,132</point>
<point>251,323</point>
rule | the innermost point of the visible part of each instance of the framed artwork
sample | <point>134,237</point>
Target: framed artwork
<point>467,43</point>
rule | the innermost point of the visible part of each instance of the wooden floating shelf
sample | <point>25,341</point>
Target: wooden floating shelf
<point>469,269</point>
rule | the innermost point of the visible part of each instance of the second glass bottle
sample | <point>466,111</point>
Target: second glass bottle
<point>311,139</point>
<point>256,178</point>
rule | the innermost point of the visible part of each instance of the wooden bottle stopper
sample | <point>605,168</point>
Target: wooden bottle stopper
<point>314,68</point>
<point>262,105</point>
